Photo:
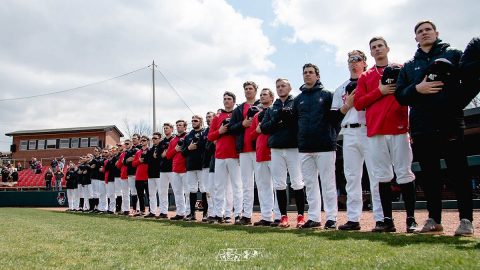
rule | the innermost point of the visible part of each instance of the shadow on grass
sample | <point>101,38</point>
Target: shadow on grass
<point>392,239</point>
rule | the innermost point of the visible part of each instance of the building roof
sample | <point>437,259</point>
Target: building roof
<point>64,130</point>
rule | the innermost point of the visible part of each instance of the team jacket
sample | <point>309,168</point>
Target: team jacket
<point>71,179</point>
<point>95,166</point>
<point>142,167</point>
<point>384,115</point>
<point>281,127</point>
<point>209,149</point>
<point>178,160</point>
<point>165,163</point>
<point>194,157</point>
<point>262,150</point>
<point>130,168</point>
<point>106,171</point>
<point>469,67</point>
<point>225,145</point>
<point>316,129</point>
<point>236,127</point>
<point>154,161</point>
<point>112,170</point>
<point>431,113</point>
<point>123,168</point>
<point>84,174</point>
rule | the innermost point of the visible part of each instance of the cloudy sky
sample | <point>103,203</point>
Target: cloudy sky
<point>201,47</point>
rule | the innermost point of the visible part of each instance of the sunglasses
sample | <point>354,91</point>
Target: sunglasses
<point>195,120</point>
<point>155,138</point>
<point>143,140</point>
<point>354,58</point>
<point>127,143</point>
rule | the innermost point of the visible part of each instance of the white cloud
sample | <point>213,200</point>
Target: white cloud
<point>349,24</point>
<point>203,47</point>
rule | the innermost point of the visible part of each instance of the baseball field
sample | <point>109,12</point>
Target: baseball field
<point>43,239</point>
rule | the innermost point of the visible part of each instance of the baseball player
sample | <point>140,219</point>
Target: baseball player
<point>241,127</point>
<point>317,142</point>
<point>226,161</point>
<point>263,173</point>
<point>437,124</point>
<point>282,128</point>
<point>179,169</point>
<point>354,131</point>
<point>166,175</point>
<point>193,149</point>
<point>388,141</point>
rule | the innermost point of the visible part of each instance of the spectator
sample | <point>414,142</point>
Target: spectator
<point>5,174</point>
<point>33,164</point>
<point>58,177</point>
<point>48,179</point>
<point>54,165</point>
<point>19,166</point>
<point>38,168</point>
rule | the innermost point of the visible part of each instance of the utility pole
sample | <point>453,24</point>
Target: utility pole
<point>153,88</point>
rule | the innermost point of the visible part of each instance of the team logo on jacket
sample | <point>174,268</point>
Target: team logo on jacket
<point>61,198</point>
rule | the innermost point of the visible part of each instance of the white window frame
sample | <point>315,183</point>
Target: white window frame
<point>40,144</point>
<point>49,141</point>
<point>74,142</point>
<point>83,142</point>
<point>23,145</point>
<point>94,141</point>
<point>34,145</point>
<point>64,144</point>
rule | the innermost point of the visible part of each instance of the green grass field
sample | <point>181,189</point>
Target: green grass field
<point>40,239</point>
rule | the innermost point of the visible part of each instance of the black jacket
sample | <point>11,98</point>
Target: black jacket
<point>165,164</point>
<point>130,153</point>
<point>282,127</point>
<point>209,151</point>
<point>433,113</point>
<point>194,157</point>
<point>71,179</point>
<point>470,70</point>
<point>114,171</point>
<point>154,162</point>
<point>316,121</point>
<point>236,127</point>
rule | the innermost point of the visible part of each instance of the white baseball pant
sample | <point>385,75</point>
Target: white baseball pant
<point>208,184</point>
<point>125,190</point>
<point>283,160</point>
<point>227,170</point>
<point>354,154</point>
<point>389,151</point>
<point>153,188</point>
<point>263,179</point>
<point>322,163</point>
<point>178,185</point>
<point>72,200</point>
<point>111,196</point>
<point>247,170</point>
<point>165,179</point>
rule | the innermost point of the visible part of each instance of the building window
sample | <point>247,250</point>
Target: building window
<point>32,145</point>
<point>64,143</point>
<point>41,144</point>
<point>74,143</point>
<point>52,144</point>
<point>93,141</point>
<point>83,142</point>
<point>23,145</point>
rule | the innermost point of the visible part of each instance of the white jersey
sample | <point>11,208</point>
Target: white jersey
<point>352,116</point>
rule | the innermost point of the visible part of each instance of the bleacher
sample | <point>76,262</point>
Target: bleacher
<point>28,180</point>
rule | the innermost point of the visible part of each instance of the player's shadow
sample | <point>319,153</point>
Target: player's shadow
<point>392,239</point>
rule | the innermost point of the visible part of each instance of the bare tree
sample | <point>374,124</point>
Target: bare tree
<point>141,127</point>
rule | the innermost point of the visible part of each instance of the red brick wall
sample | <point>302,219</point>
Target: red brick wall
<point>69,153</point>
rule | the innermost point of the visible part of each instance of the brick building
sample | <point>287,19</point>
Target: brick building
<point>71,143</point>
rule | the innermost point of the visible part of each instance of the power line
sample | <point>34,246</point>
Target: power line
<point>75,88</point>
<point>173,88</point>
